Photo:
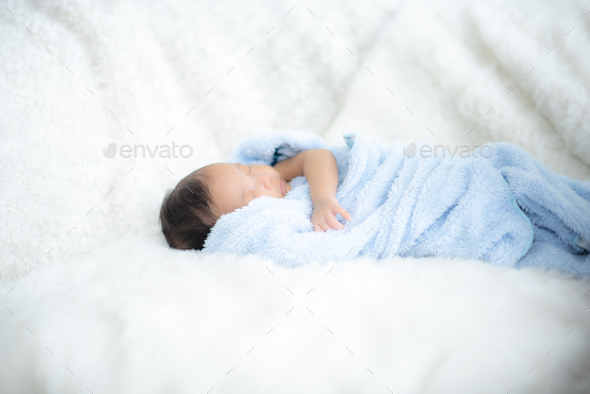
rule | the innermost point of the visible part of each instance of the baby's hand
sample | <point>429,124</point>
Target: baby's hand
<point>325,208</point>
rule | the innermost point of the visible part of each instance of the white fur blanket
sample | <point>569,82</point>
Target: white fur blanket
<point>95,301</point>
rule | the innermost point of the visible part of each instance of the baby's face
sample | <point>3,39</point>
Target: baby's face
<point>234,185</point>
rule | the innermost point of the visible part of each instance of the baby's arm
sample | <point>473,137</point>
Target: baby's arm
<point>320,169</point>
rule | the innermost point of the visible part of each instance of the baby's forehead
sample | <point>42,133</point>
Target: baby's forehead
<point>214,167</point>
<point>214,174</point>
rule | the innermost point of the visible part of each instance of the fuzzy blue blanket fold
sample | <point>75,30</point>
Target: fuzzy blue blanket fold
<point>488,208</point>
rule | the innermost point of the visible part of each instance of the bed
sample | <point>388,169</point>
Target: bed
<point>95,301</point>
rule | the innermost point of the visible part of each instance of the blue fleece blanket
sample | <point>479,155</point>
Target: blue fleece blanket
<point>507,209</point>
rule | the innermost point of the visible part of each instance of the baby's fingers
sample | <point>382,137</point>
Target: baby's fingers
<point>333,222</point>
<point>319,224</point>
<point>343,212</point>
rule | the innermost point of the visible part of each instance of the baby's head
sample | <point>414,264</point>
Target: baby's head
<point>191,209</point>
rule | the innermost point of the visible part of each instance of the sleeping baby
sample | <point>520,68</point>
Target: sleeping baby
<point>287,195</point>
<point>191,210</point>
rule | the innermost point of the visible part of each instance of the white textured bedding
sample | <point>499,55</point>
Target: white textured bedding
<point>95,301</point>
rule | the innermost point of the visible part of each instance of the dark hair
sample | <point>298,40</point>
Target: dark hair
<point>185,215</point>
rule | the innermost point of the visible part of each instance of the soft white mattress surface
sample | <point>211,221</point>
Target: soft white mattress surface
<point>95,301</point>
